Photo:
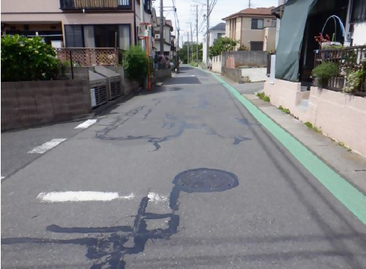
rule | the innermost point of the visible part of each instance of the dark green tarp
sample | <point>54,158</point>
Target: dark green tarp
<point>291,35</point>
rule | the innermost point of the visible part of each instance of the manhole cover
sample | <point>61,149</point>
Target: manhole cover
<point>205,180</point>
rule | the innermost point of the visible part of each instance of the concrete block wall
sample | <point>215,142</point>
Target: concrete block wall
<point>235,59</point>
<point>30,103</point>
<point>216,64</point>
<point>339,115</point>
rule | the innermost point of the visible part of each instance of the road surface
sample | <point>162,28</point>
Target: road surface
<point>184,177</point>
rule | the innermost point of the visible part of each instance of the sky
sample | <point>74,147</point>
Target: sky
<point>223,8</point>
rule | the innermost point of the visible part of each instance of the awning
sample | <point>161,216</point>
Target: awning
<point>291,37</point>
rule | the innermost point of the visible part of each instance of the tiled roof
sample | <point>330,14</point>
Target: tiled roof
<point>260,11</point>
<point>219,27</point>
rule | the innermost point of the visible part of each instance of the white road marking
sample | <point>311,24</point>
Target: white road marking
<point>156,198</point>
<point>47,146</point>
<point>86,124</point>
<point>81,196</point>
<point>2,178</point>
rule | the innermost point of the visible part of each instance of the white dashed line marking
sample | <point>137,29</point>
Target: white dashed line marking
<point>156,198</point>
<point>81,196</point>
<point>86,124</point>
<point>47,146</point>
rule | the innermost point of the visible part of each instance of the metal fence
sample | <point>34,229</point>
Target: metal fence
<point>89,56</point>
<point>350,58</point>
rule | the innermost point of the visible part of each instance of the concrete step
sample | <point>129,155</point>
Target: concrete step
<point>304,104</point>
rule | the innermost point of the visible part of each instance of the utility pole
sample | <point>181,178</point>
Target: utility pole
<point>191,43</point>
<point>208,34</point>
<point>178,42</point>
<point>161,27</point>
<point>188,48</point>
<point>250,4</point>
<point>142,20</point>
<point>197,31</point>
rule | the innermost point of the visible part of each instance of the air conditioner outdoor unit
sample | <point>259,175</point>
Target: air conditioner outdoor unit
<point>157,36</point>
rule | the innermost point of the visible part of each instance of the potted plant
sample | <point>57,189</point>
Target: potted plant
<point>323,72</point>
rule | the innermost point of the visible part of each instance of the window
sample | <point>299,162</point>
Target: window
<point>124,37</point>
<point>219,35</point>
<point>74,36</point>
<point>274,23</point>
<point>89,40</point>
<point>358,11</point>
<point>257,24</point>
<point>255,45</point>
<point>106,36</point>
<point>123,2</point>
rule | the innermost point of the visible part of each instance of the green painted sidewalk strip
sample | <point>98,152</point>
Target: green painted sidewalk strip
<point>353,199</point>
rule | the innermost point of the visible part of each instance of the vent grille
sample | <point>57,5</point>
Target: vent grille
<point>115,89</point>
<point>101,94</point>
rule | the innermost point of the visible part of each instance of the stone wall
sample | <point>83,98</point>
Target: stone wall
<point>233,73</point>
<point>163,73</point>
<point>245,58</point>
<point>30,103</point>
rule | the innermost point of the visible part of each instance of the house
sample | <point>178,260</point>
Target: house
<point>336,102</point>
<point>254,28</point>
<point>167,36</point>
<point>76,23</point>
<point>295,53</point>
<point>214,33</point>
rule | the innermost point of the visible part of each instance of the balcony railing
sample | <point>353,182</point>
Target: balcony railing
<point>350,59</point>
<point>95,4</point>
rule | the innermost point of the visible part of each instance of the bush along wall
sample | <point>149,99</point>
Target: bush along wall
<point>135,64</point>
<point>27,59</point>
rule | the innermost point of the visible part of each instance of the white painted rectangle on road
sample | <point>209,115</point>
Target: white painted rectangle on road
<point>86,124</point>
<point>47,146</point>
<point>81,196</point>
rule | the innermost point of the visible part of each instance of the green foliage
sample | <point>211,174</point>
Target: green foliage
<point>135,63</point>
<point>26,59</point>
<point>353,81</point>
<point>309,125</point>
<point>243,48</point>
<point>285,110</point>
<point>183,52</point>
<point>264,97</point>
<point>222,44</point>
<point>194,63</point>
<point>332,47</point>
<point>312,127</point>
<point>324,71</point>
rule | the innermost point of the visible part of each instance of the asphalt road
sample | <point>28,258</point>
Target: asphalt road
<point>201,184</point>
<point>15,145</point>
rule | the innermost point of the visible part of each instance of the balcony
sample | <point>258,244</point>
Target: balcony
<point>95,4</point>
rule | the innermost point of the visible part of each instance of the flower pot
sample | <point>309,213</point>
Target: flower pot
<point>326,45</point>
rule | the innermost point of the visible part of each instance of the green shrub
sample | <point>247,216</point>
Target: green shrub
<point>325,71</point>
<point>243,48</point>
<point>264,97</point>
<point>285,110</point>
<point>194,64</point>
<point>353,81</point>
<point>25,59</point>
<point>135,63</point>
<point>309,125</point>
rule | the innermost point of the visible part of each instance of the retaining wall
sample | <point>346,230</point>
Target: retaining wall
<point>30,103</point>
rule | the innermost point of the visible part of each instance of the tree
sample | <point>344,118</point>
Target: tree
<point>222,44</point>
<point>192,56</point>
